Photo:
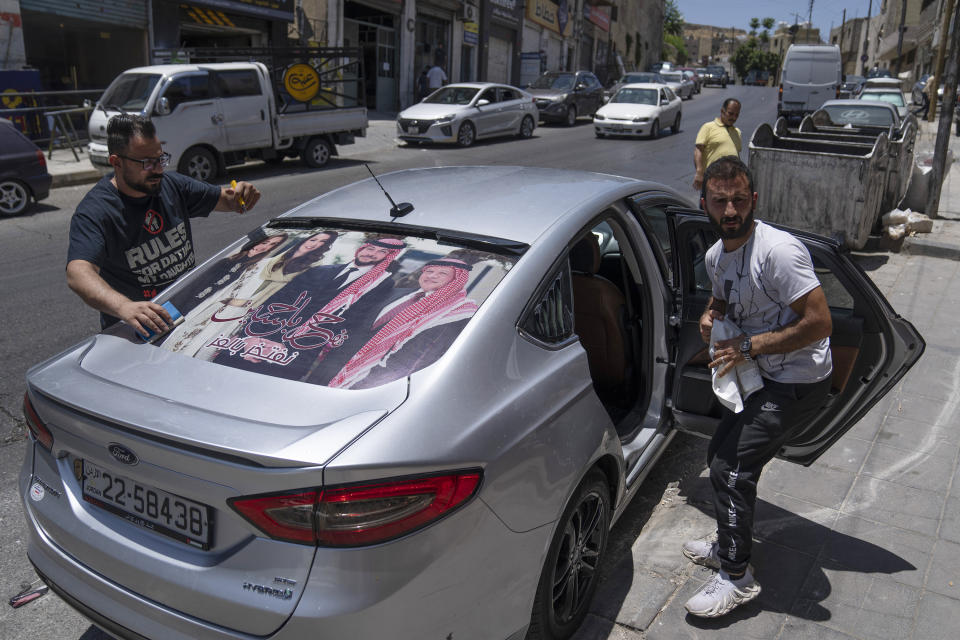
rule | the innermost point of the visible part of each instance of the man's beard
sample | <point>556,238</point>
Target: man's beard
<point>150,188</point>
<point>739,232</point>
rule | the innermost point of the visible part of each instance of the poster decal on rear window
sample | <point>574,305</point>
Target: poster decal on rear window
<point>345,309</point>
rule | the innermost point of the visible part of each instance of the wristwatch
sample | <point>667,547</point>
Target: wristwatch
<point>745,348</point>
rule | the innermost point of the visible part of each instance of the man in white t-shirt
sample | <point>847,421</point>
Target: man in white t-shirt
<point>763,281</point>
<point>436,77</point>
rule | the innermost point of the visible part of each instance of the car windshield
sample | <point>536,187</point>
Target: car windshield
<point>715,70</point>
<point>331,306</point>
<point>636,96</point>
<point>130,91</point>
<point>452,95</point>
<point>893,97</point>
<point>561,81</point>
<point>631,78</point>
<point>878,73</point>
<point>672,76</point>
<point>860,115</point>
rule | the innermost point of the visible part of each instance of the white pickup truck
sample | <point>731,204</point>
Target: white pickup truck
<point>211,116</point>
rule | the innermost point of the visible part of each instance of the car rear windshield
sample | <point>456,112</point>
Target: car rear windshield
<point>631,78</point>
<point>332,306</point>
<point>130,91</point>
<point>857,115</point>
<point>893,97</point>
<point>672,77</point>
<point>452,95</point>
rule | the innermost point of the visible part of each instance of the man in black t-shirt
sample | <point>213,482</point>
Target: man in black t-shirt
<point>130,236</point>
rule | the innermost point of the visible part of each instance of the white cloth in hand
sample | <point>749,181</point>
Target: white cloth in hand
<point>734,387</point>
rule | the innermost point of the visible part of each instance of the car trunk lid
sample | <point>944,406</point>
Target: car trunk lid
<point>187,444</point>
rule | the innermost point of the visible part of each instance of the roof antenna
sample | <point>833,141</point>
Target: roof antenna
<point>397,210</point>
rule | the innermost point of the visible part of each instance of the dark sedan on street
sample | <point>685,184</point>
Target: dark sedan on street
<point>23,171</point>
<point>564,96</point>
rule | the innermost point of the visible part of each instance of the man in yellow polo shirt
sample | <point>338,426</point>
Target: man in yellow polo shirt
<point>716,139</point>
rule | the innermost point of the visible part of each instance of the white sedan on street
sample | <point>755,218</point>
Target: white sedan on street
<point>465,112</point>
<point>638,110</point>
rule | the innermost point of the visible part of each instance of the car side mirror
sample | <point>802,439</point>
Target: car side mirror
<point>482,102</point>
<point>87,103</point>
<point>580,86</point>
<point>163,107</point>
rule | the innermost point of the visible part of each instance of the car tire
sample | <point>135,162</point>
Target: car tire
<point>571,118</point>
<point>675,127</point>
<point>466,134</point>
<point>316,153</point>
<point>526,127</point>
<point>655,129</point>
<point>14,197</point>
<point>598,134</point>
<point>199,163</point>
<point>574,556</point>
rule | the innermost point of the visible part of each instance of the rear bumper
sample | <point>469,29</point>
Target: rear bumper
<point>435,582</point>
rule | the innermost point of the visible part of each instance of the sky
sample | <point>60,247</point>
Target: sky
<point>737,13</point>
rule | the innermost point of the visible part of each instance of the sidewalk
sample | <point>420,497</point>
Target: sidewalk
<point>66,171</point>
<point>865,543</point>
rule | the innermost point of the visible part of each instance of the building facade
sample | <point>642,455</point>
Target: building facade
<point>81,44</point>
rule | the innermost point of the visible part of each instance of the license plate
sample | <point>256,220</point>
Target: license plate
<point>616,127</point>
<point>151,508</point>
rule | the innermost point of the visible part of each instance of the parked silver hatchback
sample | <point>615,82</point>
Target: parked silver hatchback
<point>406,422</point>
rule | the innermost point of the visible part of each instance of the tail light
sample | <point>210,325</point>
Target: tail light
<point>41,159</point>
<point>37,429</point>
<point>358,515</point>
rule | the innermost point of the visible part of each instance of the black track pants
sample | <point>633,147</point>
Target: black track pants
<point>743,443</point>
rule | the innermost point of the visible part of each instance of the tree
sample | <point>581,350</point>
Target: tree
<point>674,49</point>
<point>754,25</point>
<point>672,19</point>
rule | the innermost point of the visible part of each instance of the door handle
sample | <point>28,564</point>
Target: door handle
<point>216,118</point>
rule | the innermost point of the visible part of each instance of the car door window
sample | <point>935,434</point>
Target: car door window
<point>242,82</point>
<point>507,94</point>
<point>188,88</point>
<point>489,94</point>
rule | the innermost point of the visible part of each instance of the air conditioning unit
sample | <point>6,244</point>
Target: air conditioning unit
<point>469,13</point>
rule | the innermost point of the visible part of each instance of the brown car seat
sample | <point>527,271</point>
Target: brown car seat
<point>598,316</point>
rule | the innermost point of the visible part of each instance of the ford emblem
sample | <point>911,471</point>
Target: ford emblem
<point>122,454</point>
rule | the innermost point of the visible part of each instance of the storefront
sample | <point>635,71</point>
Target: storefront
<point>595,44</point>
<point>546,28</point>
<point>500,32</point>
<point>83,45</point>
<point>220,24</point>
<point>374,25</point>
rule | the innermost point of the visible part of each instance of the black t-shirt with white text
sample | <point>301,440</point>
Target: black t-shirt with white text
<point>141,245</point>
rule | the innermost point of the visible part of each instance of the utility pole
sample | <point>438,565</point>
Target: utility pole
<point>938,69</point>
<point>866,41</point>
<point>903,21</point>
<point>810,21</point>
<point>946,119</point>
<point>843,25</point>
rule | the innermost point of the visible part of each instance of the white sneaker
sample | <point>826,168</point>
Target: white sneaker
<point>721,595</point>
<point>702,552</point>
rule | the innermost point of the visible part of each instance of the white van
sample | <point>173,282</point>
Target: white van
<point>211,116</point>
<point>811,75</point>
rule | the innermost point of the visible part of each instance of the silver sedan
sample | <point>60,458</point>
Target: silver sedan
<point>681,85</point>
<point>400,421</point>
<point>466,112</point>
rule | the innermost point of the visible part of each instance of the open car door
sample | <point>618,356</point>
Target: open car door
<point>872,347</point>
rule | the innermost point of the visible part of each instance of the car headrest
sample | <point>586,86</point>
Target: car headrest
<point>585,255</point>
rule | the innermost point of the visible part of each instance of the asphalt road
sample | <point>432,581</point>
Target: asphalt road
<point>41,317</point>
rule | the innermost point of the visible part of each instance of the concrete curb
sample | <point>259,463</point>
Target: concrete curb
<point>82,176</point>
<point>917,246</point>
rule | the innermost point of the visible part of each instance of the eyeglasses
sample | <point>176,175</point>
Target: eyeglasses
<point>149,164</point>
